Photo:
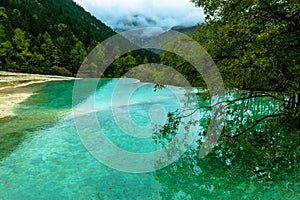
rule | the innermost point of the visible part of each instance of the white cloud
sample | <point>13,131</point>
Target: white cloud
<point>142,13</point>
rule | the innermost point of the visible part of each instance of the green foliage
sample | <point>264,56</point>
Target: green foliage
<point>183,67</point>
<point>129,65</point>
<point>37,35</point>
<point>255,46</point>
<point>78,53</point>
<point>61,71</point>
<point>254,43</point>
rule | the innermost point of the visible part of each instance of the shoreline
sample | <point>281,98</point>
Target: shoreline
<point>13,88</point>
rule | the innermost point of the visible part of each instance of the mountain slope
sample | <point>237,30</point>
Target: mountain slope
<point>185,29</point>
<point>47,36</point>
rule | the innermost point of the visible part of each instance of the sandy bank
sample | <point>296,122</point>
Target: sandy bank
<point>12,90</point>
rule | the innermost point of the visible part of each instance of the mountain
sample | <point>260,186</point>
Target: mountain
<point>47,36</point>
<point>185,29</point>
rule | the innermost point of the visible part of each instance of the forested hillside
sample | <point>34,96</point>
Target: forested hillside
<point>47,36</point>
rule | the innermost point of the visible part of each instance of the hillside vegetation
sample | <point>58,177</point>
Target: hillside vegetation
<point>47,37</point>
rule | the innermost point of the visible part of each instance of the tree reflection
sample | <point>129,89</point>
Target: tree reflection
<point>255,157</point>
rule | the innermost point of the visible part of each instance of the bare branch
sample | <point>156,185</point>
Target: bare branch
<point>253,125</point>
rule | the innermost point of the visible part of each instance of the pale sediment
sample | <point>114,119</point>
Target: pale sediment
<point>12,90</point>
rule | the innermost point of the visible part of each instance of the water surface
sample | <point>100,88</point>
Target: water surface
<point>50,161</point>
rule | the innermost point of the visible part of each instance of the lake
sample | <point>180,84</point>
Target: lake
<point>43,156</point>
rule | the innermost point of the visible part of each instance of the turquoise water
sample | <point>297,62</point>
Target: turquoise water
<point>51,162</point>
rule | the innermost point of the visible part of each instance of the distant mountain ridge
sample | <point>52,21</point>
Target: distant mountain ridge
<point>185,29</point>
<point>47,36</point>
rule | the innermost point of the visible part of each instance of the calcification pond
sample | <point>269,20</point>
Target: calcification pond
<point>43,155</point>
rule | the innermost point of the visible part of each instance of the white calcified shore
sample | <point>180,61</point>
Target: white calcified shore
<point>12,90</point>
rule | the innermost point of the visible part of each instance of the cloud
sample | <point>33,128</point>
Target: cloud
<point>143,13</point>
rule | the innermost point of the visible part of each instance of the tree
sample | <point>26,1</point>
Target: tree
<point>121,64</point>
<point>36,63</point>
<point>5,45</point>
<point>21,46</point>
<point>78,53</point>
<point>43,34</point>
<point>254,43</point>
<point>2,12</point>
<point>49,51</point>
<point>255,46</point>
<point>6,50</point>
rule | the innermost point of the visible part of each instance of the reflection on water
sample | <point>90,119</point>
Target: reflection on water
<point>52,163</point>
<point>52,102</point>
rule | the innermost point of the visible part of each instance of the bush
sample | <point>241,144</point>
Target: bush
<point>61,71</point>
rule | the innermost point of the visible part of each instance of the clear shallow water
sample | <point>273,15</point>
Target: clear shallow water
<point>52,163</point>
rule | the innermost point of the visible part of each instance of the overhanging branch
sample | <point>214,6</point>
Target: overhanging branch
<point>254,124</point>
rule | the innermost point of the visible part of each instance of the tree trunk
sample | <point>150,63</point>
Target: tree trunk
<point>298,100</point>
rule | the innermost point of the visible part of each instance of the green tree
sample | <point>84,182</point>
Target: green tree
<point>36,64</point>
<point>63,49</point>
<point>78,53</point>
<point>6,50</point>
<point>43,34</point>
<point>124,64</point>
<point>61,71</point>
<point>254,43</point>
<point>255,46</point>
<point>2,14</point>
<point>5,45</point>
<point>21,46</point>
<point>49,51</point>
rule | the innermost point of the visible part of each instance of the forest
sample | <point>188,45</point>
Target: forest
<point>47,37</point>
<point>50,37</point>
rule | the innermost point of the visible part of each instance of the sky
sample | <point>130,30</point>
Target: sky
<point>129,14</point>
